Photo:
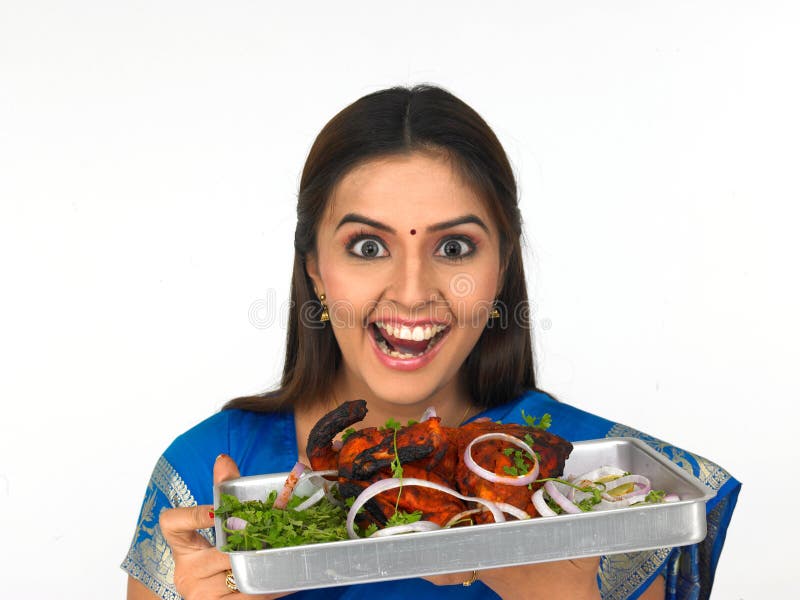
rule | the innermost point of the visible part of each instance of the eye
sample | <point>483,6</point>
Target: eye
<point>456,248</point>
<point>367,248</point>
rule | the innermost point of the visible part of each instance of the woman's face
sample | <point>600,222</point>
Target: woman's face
<point>409,261</point>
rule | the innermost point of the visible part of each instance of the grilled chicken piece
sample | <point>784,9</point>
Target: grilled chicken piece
<point>428,451</point>
<point>424,452</point>
<point>319,449</point>
<point>551,449</point>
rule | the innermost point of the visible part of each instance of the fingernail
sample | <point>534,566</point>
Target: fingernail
<point>220,456</point>
<point>211,514</point>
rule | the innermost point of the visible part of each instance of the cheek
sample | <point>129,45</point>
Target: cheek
<point>472,298</point>
<point>350,298</point>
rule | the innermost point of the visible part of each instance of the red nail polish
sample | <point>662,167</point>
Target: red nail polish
<point>211,514</point>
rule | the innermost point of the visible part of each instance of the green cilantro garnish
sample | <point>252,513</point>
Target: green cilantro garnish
<point>347,433</point>
<point>543,424</point>
<point>269,527</point>
<point>586,504</point>
<point>401,517</point>
<point>652,497</point>
<point>390,424</point>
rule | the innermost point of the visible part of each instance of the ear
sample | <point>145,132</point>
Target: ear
<point>312,270</point>
<point>501,279</point>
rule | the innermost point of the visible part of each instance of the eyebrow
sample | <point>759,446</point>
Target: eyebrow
<point>357,218</point>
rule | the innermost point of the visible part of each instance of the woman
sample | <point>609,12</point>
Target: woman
<point>408,290</point>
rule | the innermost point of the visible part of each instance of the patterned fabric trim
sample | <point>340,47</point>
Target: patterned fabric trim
<point>710,474</point>
<point>149,559</point>
<point>621,575</point>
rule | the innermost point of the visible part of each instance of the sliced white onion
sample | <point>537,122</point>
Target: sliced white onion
<point>513,510</point>
<point>640,481</point>
<point>672,498</point>
<point>541,505</point>
<point>311,500</point>
<point>597,474</point>
<point>429,412</point>
<point>235,523</point>
<point>389,484</point>
<point>407,528</point>
<point>559,498</point>
<point>461,515</point>
<point>518,480</point>
<point>318,478</point>
<point>606,505</point>
<point>288,487</point>
<point>590,479</point>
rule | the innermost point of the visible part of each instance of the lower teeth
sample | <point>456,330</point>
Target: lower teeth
<point>395,354</point>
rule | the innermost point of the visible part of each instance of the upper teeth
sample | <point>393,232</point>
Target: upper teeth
<point>417,333</point>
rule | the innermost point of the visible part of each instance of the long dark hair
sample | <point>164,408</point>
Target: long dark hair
<point>396,121</point>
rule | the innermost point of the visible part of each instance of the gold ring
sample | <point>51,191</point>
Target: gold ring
<point>230,582</point>
<point>473,578</point>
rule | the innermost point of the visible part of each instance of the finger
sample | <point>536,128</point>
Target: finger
<point>224,469</point>
<point>180,525</point>
<point>201,565</point>
<point>449,578</point>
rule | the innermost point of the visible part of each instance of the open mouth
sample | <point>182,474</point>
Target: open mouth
<point>404,342</point>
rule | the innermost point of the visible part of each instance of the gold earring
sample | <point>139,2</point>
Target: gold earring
<point>495,314</point>
<point>324,316</point>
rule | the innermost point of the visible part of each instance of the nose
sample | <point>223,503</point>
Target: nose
<point>413,283</point>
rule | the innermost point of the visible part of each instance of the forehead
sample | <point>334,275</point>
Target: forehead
<point>416,188</point>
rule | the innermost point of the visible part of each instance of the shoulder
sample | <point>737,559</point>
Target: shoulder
<point>258,442</point>
<point>577,425</point>
<point>568,421</point>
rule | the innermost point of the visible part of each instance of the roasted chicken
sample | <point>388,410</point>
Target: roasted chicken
<point>429,451</point>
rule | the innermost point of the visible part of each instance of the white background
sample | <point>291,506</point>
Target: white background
<point>149,158</point>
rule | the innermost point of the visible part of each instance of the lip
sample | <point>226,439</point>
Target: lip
<point>407,364</point>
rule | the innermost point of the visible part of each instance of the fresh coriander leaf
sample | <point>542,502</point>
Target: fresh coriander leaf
<point>391,424</point>
<point>400,517</point>
<point>544,422</point>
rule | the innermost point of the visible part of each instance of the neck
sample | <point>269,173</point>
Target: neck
<point>452,403</point>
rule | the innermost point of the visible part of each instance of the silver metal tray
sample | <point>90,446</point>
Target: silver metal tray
<point>482,546</point>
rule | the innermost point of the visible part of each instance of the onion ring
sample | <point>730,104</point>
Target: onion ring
<point>455,519</point>
<point>541,505</point>
<point>311,500</point>
<point>637,480</point>
<point>518,480</point>
<point>406,528</point>
<point>235,523</point>
<point>288,487</point>
<point>560,499</point>
<point>389,484</point>
<point>429,412</point>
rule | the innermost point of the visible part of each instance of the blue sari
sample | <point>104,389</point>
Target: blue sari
<point>266,443</point>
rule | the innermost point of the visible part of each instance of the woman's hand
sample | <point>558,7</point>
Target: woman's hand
<point>574,579</point>
<point>200,569</point>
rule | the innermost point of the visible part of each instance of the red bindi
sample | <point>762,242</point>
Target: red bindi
<point>413,232</point>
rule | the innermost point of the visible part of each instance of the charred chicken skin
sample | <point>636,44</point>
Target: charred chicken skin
<point>429,451</point>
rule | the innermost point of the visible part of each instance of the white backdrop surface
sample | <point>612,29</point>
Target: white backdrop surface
<point>149,158</point>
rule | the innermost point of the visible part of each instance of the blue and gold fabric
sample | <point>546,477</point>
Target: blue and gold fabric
<point>266,443</point>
